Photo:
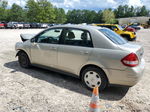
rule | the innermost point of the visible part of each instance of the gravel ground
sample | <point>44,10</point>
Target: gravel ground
<point>39,90</point>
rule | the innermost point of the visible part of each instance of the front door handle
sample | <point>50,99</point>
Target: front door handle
<point>34,44</point>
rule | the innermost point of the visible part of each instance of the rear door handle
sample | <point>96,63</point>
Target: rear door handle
<point>84,52</point>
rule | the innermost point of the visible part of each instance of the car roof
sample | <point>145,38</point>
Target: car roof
<point>84,27</point>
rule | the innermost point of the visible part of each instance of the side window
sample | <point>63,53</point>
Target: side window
<point>49,36</point>
<point>77,37</point>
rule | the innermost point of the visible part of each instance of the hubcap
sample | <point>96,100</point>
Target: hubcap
<point>92,79</point>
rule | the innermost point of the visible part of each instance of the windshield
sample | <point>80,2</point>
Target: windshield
<point>115,38</point>
<point>120,27</point>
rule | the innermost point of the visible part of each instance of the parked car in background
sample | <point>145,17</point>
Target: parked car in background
<point>26,25</point>
<point>128,28</point>
<point>135,26</point>
<point>44,25</point>
<point>33,25</point>
<point>2,24</point>
<point>50,25</point>
<point>19,25</point>
<point>11,25</point>
<point>97,55</point>
<point>38,25</point>
<point>119,30</point>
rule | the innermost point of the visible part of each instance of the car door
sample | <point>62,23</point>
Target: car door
<point>44,49</point>
<point>75,51</point>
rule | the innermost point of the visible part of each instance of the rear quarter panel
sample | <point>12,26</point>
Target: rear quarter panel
<point>108,58</point>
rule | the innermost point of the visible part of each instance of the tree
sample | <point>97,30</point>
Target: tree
<point>3,4</point>
<point>3,11</point>
<point>74,16</point>
<point>82,16</point>
<point>126,11</point>
<point>119,12</point>
<point>131,12</point>
<point>40,11</point>
<point>46,12</point>
<point>60,15</point>
<point>108,16</point>
<point>142,11</point>
<point>32,10</point>
<point>90,16</point>
<point>16,13</point>
<point>98,18</point>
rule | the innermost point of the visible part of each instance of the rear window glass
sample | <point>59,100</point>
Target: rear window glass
<point>115,38</point>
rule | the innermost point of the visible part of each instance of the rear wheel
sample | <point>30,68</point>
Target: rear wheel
<point>23,60</point>
<point>94,77</point>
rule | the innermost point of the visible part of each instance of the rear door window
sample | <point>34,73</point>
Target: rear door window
<point>77,37</point>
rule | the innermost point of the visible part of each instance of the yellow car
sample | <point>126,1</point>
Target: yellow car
<point>119,30</point>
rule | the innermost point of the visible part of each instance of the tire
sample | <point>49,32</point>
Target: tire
<point>99,78</point>
<point>23,60</point>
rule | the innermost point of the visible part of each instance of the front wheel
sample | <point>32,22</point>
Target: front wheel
<point>23,60</point>
<point>94,77</point>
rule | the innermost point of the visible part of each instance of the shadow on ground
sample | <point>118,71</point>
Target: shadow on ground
<point>67,82</point>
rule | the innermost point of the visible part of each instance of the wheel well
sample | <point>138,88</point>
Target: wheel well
<point>95,66</point>
<point>20,52</point>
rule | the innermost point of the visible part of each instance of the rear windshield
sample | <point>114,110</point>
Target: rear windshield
<point>114,37</point>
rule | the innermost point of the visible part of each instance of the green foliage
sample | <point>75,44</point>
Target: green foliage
<point>3,4</point>
<point>126,11</point>
<point>83,16</point>
<point>142,11</point>
<point>41,11</point>
<point>3,11</point>
<point>60,15</point>
<point>32,10</point>
<point>16,13</point>
<point>108,16</point>
<point>46,12</point>
<point>75,16</point>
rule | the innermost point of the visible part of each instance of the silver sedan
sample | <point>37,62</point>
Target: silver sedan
<point>98,56</point>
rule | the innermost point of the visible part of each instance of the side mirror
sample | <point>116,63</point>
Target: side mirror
<point>32,40</point>
<point>115,29</point>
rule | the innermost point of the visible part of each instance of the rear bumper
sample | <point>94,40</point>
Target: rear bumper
<point>128,77</point>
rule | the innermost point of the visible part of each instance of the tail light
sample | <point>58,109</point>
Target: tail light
<point>130,60</point>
